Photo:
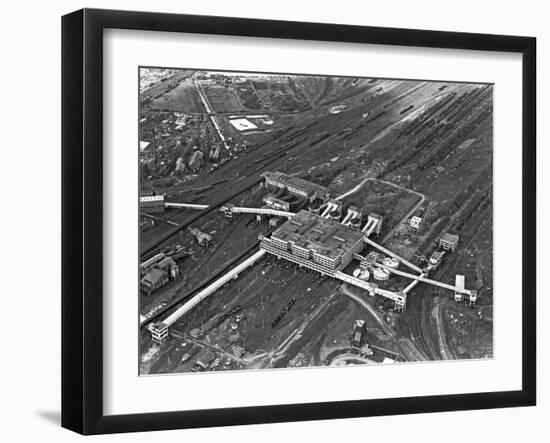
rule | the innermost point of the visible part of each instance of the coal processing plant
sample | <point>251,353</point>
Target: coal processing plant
<point>282,231</point>
<point>323,242</point>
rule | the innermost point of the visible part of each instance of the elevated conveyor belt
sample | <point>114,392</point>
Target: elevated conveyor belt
<point>326,212</point>
<point>425,280</point>
<point>266,211</point>
<point>347,218</point>
<point>185,205</point>
<point>372,288</point>
<point>412,284</point>
<point>391,254</point>
<point>159,219</point>
<point>370,227</point>
<point>188,305</point>
<point>150,248</point>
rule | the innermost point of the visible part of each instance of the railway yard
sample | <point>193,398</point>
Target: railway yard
<point>372,243</point>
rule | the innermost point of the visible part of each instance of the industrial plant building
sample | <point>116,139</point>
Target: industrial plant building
<point>157,272</point>
<point>151,203</point>
<point>296,186</point>
<point>317,243</point>
<point>276,203</point>
<point>449,241</point>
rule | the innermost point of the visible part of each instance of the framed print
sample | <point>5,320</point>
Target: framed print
<point>273,221</point>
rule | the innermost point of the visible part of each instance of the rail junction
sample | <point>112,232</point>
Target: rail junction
<point>325,242</point>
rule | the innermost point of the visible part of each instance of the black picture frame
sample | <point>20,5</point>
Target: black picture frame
<point>82,220</point>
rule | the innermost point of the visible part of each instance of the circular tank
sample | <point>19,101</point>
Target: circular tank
<point>381,274</point>
<point>365,275</point>
<point>391,262</point>
<point>356,272</point>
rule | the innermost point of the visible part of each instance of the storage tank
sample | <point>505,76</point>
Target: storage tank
<point>365,275</point>
<point>356,272</point>
<point>381,274</point>
<point>391,262</point>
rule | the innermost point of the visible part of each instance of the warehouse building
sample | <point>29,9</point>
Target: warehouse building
<point>317,243</point>
<point>157,272</point>
<point>449,241</point>
<point>415,224</point>
<point>296,186</point>
<point>159,332</point>
<point>276,203</point>
<point>369,261</point>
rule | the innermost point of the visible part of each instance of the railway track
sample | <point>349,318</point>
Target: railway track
<point>438,137</point>
<point>423,329</point>
<point>186,296</point>
<point>151,248</point>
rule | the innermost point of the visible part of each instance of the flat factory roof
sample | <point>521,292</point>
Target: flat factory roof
<point>153,276</point>
<point>313,232</point>
<point>300,183</point>
<point>143,145</point>
<point>242,124</point>
<point>450,238</point>
<point>459,281</point>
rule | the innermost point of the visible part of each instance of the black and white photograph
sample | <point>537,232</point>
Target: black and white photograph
<point>292,221</point>
<point>271,222</point>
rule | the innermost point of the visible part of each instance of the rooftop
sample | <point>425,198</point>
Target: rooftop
<point>153,260</point>
<point>371,257</point>
<point>165,263</point>
<point>154,276</point>
<point>313,232</point>
<point>450,238</point>
<point>297,182</point>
